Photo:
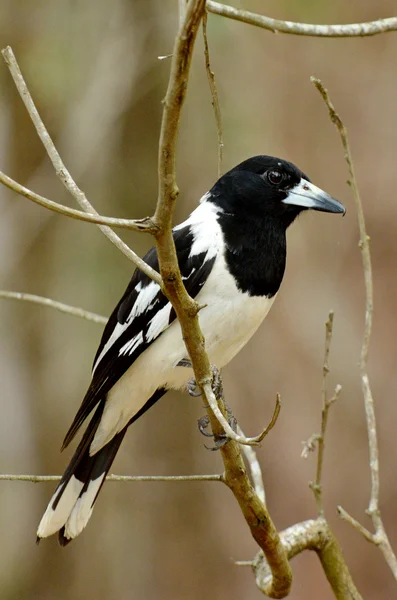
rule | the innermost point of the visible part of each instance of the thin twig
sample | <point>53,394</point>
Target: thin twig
<point>214,96</point>
<point>60,168</point>
<point>250,441</point>
<point>124,478</point>
<point>277,26</point>
<point>145,224</point>
<point>326,404</point>
<point>255,468</point>
<point>75,311</point>
<point>345,516</point>
<point>380,536</point>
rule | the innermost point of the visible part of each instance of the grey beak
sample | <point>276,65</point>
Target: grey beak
<point>307,195</point>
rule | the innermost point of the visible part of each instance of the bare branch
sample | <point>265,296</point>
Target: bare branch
<point>214,96</point>
<point>312,535</point>
<point>75,311</point>
<point>254,511</point>
<point>251,441</point>
<point>182,11</point>
<point>123,478</point>
<point>373,510</point>
<point>290,27</point>
<point>354,523</point>
<point>144,225</point>
<point>185,307</point>
<point>320,438</point>
<point>60,168</point>
<point>255,468</point>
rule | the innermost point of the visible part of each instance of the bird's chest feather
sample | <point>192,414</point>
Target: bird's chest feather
<point>231,316</point>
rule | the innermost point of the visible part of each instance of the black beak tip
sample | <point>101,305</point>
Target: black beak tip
<point>337,207</point>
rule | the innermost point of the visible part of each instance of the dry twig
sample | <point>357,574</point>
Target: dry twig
<point>123,478</point>
<point>185,307</point>
<point>60,168</point>
<point>380,537</point>
<point>309,29</point>
<point>145,224</point>
<point>75,311</point>
<point>263,531</point>
<point>214,96</point>
<point>316,486</point>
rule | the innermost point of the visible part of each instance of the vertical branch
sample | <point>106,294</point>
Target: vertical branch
<point>185,307</point>
<point>319,438</point>
<point>214,96</point>
<point>380,536</point>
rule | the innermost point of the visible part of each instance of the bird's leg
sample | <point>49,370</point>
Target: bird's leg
<point>217,387</point>
<point>191,386</point>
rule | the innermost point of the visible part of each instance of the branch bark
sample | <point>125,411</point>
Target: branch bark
<point>290,27</point>
<point>313,535</point>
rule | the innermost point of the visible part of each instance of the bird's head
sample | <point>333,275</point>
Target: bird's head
<point>265,186</point>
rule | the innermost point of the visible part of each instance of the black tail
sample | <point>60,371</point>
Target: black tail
<point>72,503</point>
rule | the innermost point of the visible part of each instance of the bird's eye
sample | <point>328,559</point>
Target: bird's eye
<point>275,176</point>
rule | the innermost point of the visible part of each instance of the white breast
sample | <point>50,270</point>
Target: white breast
<point>228,321</point>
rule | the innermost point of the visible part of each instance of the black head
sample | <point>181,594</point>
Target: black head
<point>269,187</point>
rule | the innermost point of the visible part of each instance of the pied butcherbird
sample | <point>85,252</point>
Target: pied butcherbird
<point>231,253</point>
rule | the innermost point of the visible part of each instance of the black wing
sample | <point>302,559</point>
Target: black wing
<point>142,314</point>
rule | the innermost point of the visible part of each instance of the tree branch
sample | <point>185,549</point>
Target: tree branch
<point>140,225</point>
<point>60,168</point>
<point>312,535</point>
<point>316,486</point>
<point>75,311</point>
<point>277,26</point>
<point>123,478</point>
<point>380,536</point>
<point>185,307</point>
<point>214,96</point>
<point>252,506</point>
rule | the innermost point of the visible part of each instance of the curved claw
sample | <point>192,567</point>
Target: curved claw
<point>203,423</point>
<point>219,443</point>
<point>193,389</point>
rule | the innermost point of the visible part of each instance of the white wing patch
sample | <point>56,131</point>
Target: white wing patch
<point>131,345</point>
<point>207,239</point>
<point>144,301</point>
<point>116,333</point>
<point>159,322</point>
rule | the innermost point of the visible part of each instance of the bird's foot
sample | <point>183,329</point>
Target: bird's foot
<point>219,440</point>
<point>192,388</point>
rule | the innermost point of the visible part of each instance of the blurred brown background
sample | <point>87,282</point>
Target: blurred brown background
<point>93,70</point>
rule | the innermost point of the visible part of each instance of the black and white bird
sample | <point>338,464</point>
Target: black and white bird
<point>232,253</point>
